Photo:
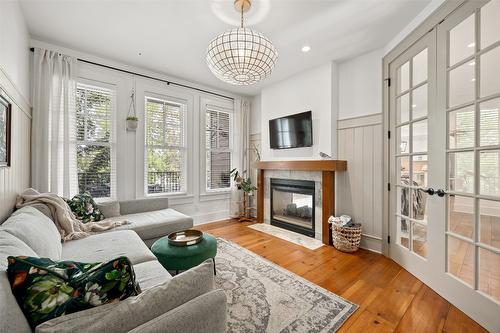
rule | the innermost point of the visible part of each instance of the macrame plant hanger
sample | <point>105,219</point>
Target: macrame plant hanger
<point>132,120</point>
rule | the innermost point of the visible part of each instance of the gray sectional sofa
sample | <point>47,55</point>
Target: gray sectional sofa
<point>188,302</point>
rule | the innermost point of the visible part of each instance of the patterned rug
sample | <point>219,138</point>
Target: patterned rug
<point>263,297</point>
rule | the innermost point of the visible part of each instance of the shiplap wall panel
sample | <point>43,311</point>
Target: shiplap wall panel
<point>360,188</point>
<point>16,178</point>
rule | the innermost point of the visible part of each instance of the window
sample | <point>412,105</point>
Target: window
<point>165,146</point>
<point>218,149</point>
<point>95,107</point>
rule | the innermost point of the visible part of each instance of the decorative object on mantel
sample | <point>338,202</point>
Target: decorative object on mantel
<point>5,123</point>
<point>132,120</point>
<point>346,234</point>
<point>245,185</point>
<point>325,156</point>
<point>241,56</point>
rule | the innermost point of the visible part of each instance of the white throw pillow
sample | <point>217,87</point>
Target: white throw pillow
<point>36,230</point>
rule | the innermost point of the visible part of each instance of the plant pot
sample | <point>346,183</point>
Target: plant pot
<point>132,124</point>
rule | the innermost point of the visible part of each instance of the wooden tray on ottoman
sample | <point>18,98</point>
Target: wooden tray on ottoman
<point>185,237</point>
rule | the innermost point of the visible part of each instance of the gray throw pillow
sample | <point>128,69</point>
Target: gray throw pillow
<point>109,209</point>
<point>137,310</point>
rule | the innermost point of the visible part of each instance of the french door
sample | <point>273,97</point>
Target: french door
<point>444,106</point>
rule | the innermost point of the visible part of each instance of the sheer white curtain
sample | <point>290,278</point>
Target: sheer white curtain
<point>241,150</point>
<point>53,127</point>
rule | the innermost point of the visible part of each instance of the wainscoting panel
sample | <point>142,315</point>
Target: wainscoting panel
<point>360,188</point>
<point>16,178</point>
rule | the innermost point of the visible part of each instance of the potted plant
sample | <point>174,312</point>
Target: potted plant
<point>245,185</point>
<point>132,122</point>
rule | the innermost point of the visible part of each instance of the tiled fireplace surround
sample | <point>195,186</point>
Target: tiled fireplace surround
<point>322,172</point>
<point>292,174</point>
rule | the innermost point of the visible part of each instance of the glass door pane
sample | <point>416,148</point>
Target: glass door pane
<point>473,154</point>
<point>411,102</point>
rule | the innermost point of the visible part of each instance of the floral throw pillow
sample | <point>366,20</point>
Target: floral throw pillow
<point>45,289</point>
<point>85,208</point>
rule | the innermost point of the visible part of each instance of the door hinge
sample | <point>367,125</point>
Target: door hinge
<point>389,239</point>
<point>389,135</point>
<point>388,81</point>
<point>388,186</point>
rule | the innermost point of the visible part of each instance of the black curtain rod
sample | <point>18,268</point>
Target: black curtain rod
<point>149,77</point>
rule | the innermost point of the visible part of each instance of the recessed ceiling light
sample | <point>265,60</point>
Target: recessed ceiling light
<point>306,48</point>
<point>471,45</point>
<point>473,80</point>
<point>414,106</point>
<point>472,63</point>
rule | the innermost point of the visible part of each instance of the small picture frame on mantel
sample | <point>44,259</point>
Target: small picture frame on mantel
<point>5,131</point>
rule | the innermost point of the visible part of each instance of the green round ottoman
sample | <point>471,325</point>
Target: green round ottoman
<point>179,258</point>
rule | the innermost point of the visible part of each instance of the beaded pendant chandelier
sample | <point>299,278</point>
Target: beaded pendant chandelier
<point>241,56</point>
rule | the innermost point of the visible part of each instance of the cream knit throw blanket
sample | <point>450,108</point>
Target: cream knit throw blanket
<point>68,225</point>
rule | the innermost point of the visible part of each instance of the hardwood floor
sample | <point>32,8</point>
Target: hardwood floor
<point>390,298</point>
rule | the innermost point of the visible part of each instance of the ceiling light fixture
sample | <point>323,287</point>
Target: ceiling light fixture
<point>241,56</point>
<point>306,48</point>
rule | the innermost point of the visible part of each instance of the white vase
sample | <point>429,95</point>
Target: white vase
<point>132,124</point>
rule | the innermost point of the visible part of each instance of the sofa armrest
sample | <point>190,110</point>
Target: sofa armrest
<point>205,313</point>
<point>142,205</point>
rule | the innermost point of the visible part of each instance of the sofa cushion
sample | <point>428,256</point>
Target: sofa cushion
<point>47,289</point>
<point>134,311</point>
<point>11,246</point>
<point>109,209</point>
<point>106,246</point>
<point>12,318</point>
<point>85,208</point>
<point>36,230</point>
<point>150,273</point>
<point>142,205</point>
<point>156,223</point>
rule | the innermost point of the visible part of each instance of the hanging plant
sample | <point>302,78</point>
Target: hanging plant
<point>132,119</point>
<point>132,122</point>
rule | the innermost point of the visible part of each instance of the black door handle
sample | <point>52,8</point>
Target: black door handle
<point>441,193</point>
<point>429,191</point>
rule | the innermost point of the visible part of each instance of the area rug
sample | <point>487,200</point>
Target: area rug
<point>263,297</point>
<point>302,240</point>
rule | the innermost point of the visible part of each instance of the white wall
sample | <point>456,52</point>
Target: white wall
<point>310,90</point>
<point>14,85</point>
<point>14,42</point>
<point>360,85</point>
<point>421,17</point>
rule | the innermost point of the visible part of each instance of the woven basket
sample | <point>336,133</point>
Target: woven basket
<point>346,239</point>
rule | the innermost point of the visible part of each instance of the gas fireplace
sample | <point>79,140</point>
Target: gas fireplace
<point>292,205</point>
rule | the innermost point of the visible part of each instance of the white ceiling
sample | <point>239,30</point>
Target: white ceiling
<point>172,35</point>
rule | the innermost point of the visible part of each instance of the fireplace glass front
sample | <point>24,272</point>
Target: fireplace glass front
<point>292,205</point>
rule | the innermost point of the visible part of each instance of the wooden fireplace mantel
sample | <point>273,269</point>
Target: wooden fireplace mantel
<point>326,167</point>
<point>323,165</point>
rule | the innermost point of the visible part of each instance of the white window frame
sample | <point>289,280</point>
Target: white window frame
<point>112,138</point>
<point>184,148</point>
<point>219,106</point>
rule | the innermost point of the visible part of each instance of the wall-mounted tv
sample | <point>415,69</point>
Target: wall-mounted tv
<point>293,131</point>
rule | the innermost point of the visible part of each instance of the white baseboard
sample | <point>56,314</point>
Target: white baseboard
<point>210,217</point>
<point>371,244</point>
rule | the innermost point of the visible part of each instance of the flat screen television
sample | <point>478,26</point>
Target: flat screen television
<point>293,131</point>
